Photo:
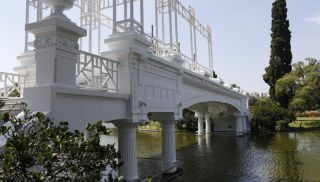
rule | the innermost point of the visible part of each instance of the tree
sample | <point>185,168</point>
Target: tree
<point>285,89</point>
<point>301,86</point>
<point>36,149</point>
<point>281,56</point>
<point>266,114</point>
<point>189,120</point>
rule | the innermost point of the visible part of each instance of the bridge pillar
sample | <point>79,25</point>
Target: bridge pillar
<point>128,151</point>
<point>168,163</point>
<point>200,123</point>
<point>168,121</point>
<point>244,124</point>
<point>239,125</point>
<point>208,123</point>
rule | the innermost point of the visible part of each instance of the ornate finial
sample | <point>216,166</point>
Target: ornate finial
<point>58,6</point>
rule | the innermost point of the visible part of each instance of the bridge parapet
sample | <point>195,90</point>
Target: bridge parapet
<point>92,72</point>
<point>96,72</point>
<point>11,85</point>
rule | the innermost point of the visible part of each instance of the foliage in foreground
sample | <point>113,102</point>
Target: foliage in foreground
<point>39,150</point>
<point>266,115</point>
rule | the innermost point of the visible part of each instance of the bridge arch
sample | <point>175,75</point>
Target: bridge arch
<point>188,103</point>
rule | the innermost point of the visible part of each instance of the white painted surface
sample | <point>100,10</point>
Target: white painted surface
<point>162,84</point>
<point>168,161</point>
<point>127,148</point>
<point>208,123</point>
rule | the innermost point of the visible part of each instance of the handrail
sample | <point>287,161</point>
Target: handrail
<point>162,49</point>
<point>11,83</point>
<point>96,72</point>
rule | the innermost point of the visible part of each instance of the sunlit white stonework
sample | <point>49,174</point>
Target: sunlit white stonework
<point>139,75</point>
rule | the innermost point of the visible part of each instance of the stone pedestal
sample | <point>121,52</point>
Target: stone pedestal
<point>168,163</point>
<point>200,123</point>
<point>56,54</point>
<point>208,124</point>
<point>128,151</point>
<point>56,51</point>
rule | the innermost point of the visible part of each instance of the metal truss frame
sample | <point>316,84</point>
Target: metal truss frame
<point>93,18</point>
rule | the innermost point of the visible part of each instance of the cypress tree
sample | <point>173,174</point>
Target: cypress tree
<point>281,56</point>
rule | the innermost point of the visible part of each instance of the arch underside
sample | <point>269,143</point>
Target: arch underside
<point>221,115</point>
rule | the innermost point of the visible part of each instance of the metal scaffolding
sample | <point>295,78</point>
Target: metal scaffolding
<point>102,18</point>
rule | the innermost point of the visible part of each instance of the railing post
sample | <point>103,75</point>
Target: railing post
<point>125,4</point>
<point>5,85</point>
<point>114,17</point>
<point>191,32</point>
<point>170,23</point>
<point>142,16</point>
<point>26,32</point>
<point>176,23</point>
<point>131,14</point>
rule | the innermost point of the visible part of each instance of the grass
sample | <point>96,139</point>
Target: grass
<point>308,118</point>
<point>306,122</point>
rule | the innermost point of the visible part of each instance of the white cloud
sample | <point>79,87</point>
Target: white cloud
<point>313,19</point>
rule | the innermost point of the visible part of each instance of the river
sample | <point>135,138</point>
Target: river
<point>224,157</point>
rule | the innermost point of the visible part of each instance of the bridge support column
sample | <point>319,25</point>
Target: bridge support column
<point>200,123</point>
<point>244,124</point>
<point>208,124</point>
<point>168,163</point>
<point>239,125</point>
<point>128,151</point>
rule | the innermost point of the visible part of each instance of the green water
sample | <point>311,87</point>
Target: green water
<point>225,157</point>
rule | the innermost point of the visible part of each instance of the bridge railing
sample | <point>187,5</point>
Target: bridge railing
<point>11,85</point>
<point>161,49</point>
<point>96,72</point>
<point>128,26</point>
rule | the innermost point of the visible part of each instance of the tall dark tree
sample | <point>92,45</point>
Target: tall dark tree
<point>281,56</point>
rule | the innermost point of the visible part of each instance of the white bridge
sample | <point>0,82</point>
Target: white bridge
<point>129,76</point>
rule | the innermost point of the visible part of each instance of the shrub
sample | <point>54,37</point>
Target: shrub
<point>37,149</point>
<point>281,125</point>
<point>266,113</point>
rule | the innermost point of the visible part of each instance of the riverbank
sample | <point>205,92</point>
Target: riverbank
<point>305,124</point>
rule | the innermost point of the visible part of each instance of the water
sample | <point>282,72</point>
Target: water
<point>224,157</point>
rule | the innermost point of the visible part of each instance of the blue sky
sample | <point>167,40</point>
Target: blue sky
<point>241,35</point>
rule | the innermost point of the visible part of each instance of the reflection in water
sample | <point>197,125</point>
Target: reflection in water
<point>223,157</point>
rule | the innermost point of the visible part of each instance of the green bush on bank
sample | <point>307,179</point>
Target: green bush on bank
<point>37,149</point>
<point>151,125</point>
<point>269,116</point>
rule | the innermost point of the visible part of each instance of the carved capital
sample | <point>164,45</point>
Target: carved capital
<point>61,42</point>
